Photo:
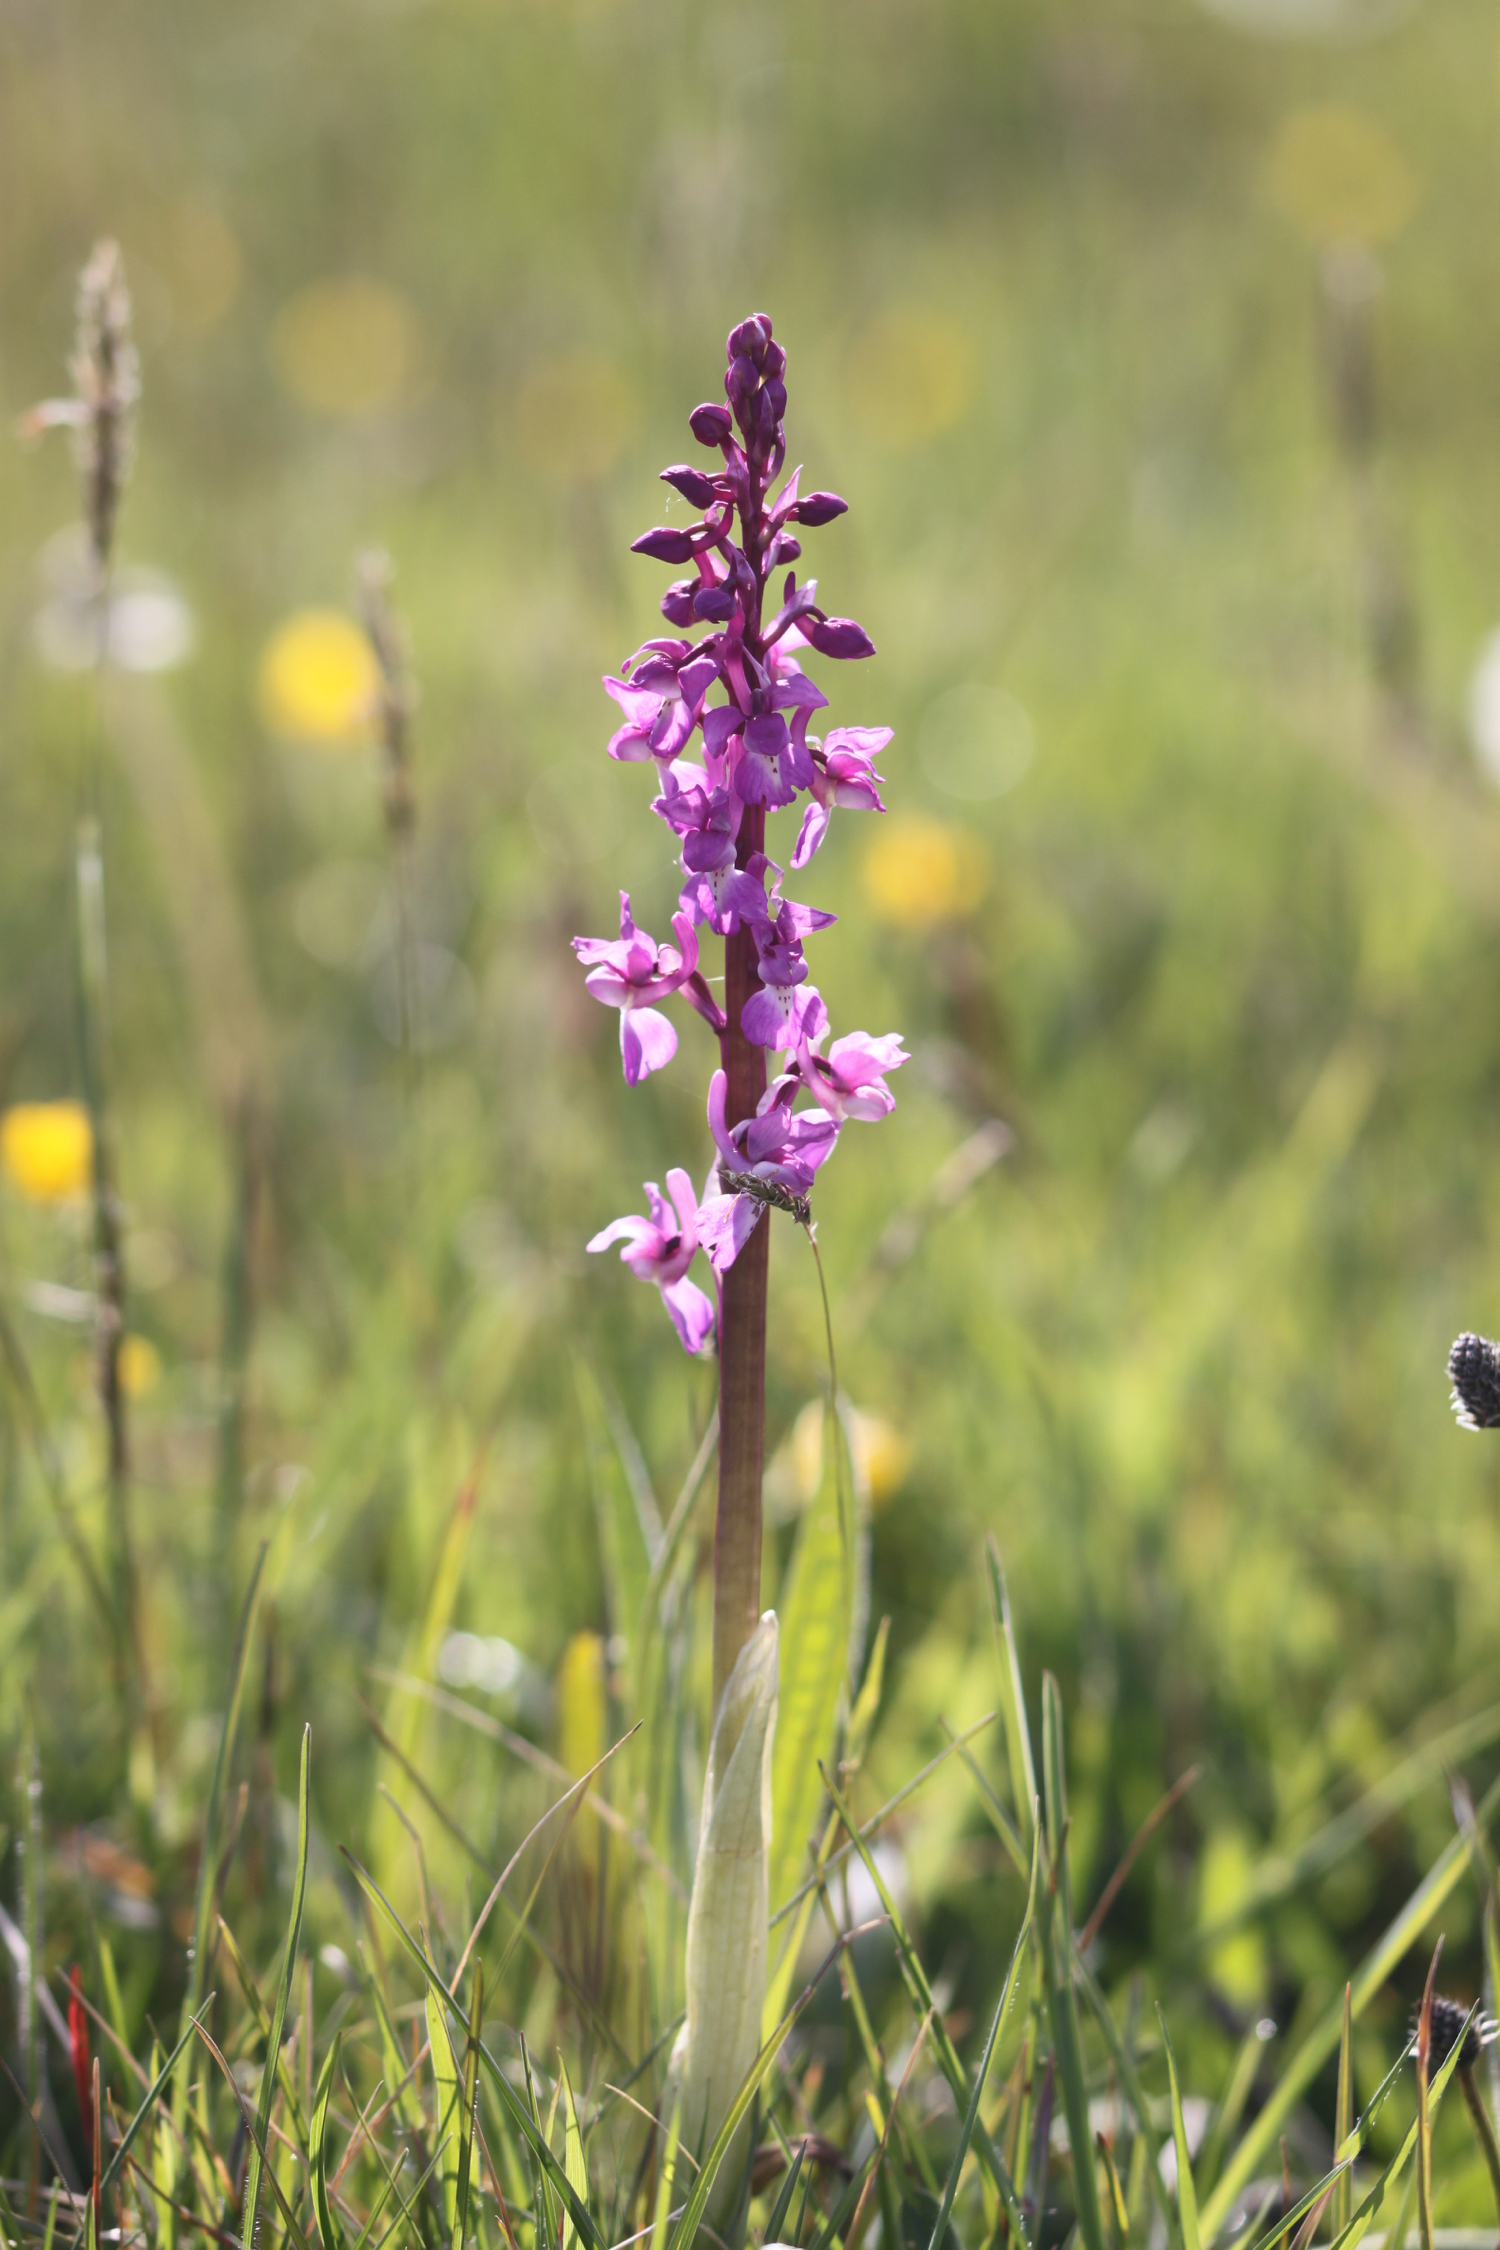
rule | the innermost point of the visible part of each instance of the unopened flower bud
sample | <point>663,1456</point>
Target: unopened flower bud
<point>696,488</point>
<point>819,507</point>
<point>739,385</point>
<point>711,424</point>
<point>665,544</point>
<point>839,636</point>
<point>750,340</point>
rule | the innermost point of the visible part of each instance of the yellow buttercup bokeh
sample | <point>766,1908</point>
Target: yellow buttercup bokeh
<point>319,680</point>
<point>48,1149</point>
<point>1339,176</point>
<point>919,872</point>
<point>345,345</point>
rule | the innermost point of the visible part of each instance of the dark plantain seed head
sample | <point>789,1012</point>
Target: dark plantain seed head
<point>1448,2020</point>
<point>1474,1371</point>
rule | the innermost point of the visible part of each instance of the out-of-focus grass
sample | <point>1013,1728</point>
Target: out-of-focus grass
<point>1223,956</point>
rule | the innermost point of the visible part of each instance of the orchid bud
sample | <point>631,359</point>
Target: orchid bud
<point>750,339</point>
<point>726,1932</point>
<point>819,507</point>
<point>666,543</point>
<point>710,424</point>
<point>838,636</point>
<point>696,488</point>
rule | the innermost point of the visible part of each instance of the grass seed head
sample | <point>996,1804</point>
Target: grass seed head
<point>107,378</point>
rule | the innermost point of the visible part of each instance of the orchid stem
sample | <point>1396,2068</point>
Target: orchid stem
<point>742,1347</point>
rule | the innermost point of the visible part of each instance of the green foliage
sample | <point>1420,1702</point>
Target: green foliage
<point>1225,969</point>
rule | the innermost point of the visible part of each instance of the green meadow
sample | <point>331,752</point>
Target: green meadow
<point>1154,347</point>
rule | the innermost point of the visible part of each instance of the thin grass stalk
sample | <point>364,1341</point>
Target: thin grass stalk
<point>238,1289</point>
<point>397,702</point>
<point>1424,2115</point>
<point>1343,2119</point>
<point>106,376</point>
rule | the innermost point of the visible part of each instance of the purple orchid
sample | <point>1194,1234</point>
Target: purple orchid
<point>850,1080</point>
<point>731,671</point>
<point>631,971</point>
<point>843,774</point>
<point>660,1250</point>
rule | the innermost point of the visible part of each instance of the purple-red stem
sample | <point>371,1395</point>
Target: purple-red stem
<point>742,1302</point>
<point>742,1342</point>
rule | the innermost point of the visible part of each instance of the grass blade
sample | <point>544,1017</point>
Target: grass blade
<point>278,2015</point>
<point>1002,2010</point>
<point>859,1837</point>
<point>515,2108</point>
<point>1441,1878</point>
<point>1280,1875</point>
<point>856,1742</point>
<point>208,1871</point>
<point>152,2097</point>
<point>815,1608</point>
<point>449,2099</point>
<point>625,1509</point>
<point>1012,1694</point>
<point>1187,2194</point>
<point>915,1978</point>
<point>783,2203</point>
<point>573,2163</point>
<point>665,2178</point>
<point>257,2007</point>
<point>697,2202</point>
<point>1058,1955</point>
<point>1424,2115</point>
<point>329,2231</point>
<point>1358,2226</point>
<point>471,2100</point>
<point>1343,2117</point>
<point>1130,2079</point>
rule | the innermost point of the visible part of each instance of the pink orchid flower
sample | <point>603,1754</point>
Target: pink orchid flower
<point>660,1250</point>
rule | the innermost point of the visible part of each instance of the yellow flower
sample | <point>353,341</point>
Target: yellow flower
<point>918,872</point>
<point>48,1149</point>
<point>318,679</point>
<point>347,345</point>
<point>140,1366</point>
<point>882,1456</point>
<point>580,1701</point>
<point>912,375</point>
<point>1340,177</point>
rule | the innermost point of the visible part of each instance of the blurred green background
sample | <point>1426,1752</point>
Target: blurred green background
<point>1156,351</point>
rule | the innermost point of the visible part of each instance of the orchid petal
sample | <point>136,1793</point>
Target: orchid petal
<point>647,1042</point>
